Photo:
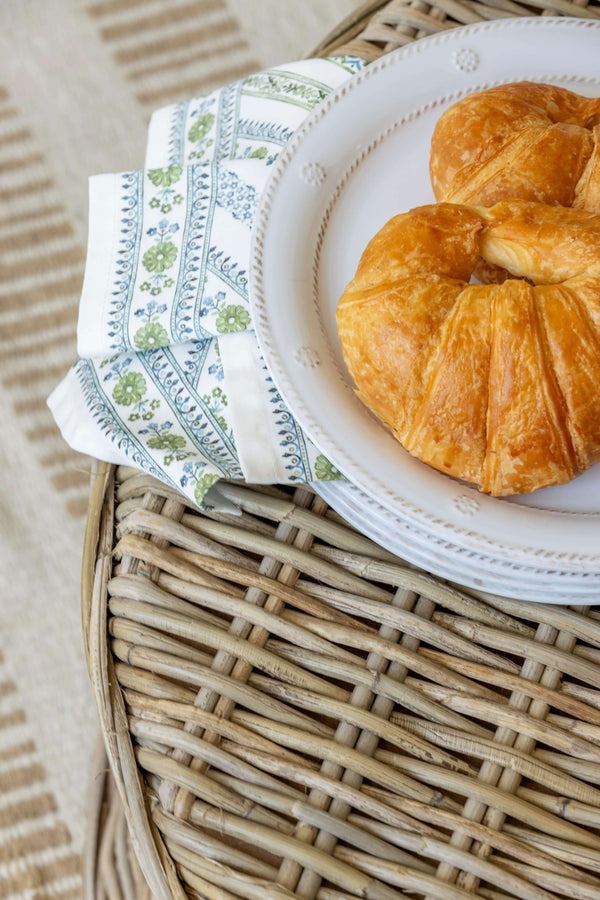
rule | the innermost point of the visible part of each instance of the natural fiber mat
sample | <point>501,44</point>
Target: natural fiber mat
<point>78,80</point>
<point>291,711</point>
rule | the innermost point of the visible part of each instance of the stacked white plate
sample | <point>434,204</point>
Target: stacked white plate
<point>359,159</point>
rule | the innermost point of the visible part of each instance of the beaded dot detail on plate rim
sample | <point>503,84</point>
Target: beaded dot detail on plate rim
<point>307,357</point>
<point>313,173</point>
<point>465,59</point>
<point>466,506</point>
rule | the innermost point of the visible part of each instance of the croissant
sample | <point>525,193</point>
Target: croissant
<point>525,140</point>
<point>494,384</point>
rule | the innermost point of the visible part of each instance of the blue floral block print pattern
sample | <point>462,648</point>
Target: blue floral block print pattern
<point>166,412</point>
<point>176,240</point>
<point>178,233</point>
<point>181,259</point>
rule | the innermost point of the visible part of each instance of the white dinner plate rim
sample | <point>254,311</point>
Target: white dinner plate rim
<point>476,571</point>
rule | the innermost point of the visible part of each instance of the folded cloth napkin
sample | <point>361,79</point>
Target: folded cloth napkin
<point>170,377</point>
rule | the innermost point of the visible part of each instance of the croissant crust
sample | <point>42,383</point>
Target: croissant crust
<point>494,384</point>
<point>532,141</point>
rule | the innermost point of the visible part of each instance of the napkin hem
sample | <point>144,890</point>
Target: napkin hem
<point>96,293</point>
<point>248,405</point>
<point>157,145</point>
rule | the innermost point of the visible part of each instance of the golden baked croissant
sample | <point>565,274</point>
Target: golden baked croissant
<point>498,384</point>
<point>524,140</point>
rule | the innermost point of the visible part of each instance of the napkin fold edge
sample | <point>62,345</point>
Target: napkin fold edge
<point>76,428</point>
<point>254,430</point>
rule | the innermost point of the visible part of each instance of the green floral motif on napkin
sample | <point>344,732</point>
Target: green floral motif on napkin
<point>232,318</point>
<point>166,442</point>
<point>204,484</point>
<point>175,444</point>
<point>130,388</point>
<point>160,257</point>
<point>200,128</point>
<point>165,177</point>
<point>326,471</point>
<point>151,336</point>
<point>216,401</point>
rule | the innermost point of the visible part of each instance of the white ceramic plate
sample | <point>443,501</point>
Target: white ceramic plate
<point>360,158</point>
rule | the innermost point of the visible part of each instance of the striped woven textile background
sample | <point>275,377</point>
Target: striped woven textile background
<point>78,80</point>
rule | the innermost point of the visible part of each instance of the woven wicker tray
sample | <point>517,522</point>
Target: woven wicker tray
<point>290,711</point>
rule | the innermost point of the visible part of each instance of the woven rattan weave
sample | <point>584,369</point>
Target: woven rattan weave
<point>290,711</point>
<point>379,27</point>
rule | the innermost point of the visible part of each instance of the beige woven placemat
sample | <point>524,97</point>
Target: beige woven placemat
<point>78,80</point>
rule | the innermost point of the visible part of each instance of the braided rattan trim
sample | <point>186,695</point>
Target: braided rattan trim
<point>297,713</point>
<point>111,869</point>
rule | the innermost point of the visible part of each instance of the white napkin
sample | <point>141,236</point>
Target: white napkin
<point>170,378</point>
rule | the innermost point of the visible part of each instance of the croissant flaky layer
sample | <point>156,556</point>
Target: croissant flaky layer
<point>494,384</point>
<point>532,141</point>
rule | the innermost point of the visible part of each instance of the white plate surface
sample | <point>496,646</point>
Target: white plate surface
<point>359,159</point>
